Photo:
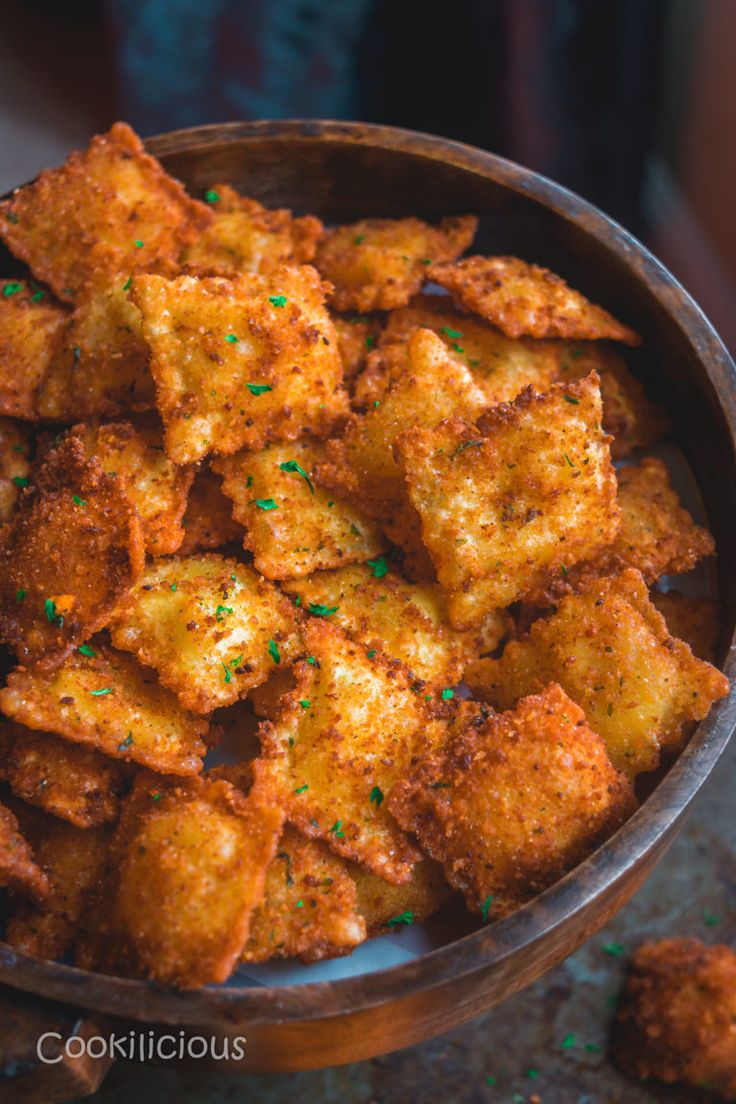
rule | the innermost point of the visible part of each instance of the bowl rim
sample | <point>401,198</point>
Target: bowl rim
<point>663,809</point>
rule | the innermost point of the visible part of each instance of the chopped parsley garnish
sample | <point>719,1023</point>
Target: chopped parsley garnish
<point>379,567</point>
<point>52,616</point>
<point>228,673</point>
<point>532,1073</point>
<point>486,907</point>
<point>613,949</point>
<point>457,348</point>
<point>85,650</point>
<point>450,332</point>
<point>563,569</point>
<point>277,300</point>
<point>376,796</point>
<point>292,466</point>
<point>249,482</point>
<point>20,594</point>
<point>568,460</point>
<point>211,197</point>
<point>359,239</point>
<point>318,610</point>
<point>259,388</point>
<point>11,289</point>
<point>79,501</point>
<point>710,918</point>
<point>447,694</point>
<point>273,651</point>
<point>266,504</point>
<point>220,610</point>
<point>568,1042</point>
<point>127,283</point>
<point>101,693</point>
<point>20,481</point>
<point>337,829</point>
<point>370,341</point>
<point>231,338</point>
<point>371,653</point>
<point>126,742</point>
<point>305,703</point>
<point>572,400</point>
<point>404,919</point>
<point>156,796</point>
<point>138,244</point>
<point>576,353</point>
<point>593,1048</point>
<point>37,296</point>
<point>173,586</point>
<point>312,661</point>
<point>376,402</point>
<point>463,446</point>
<point>426,260</point>
<point>302,789</point>
<point>11,217</point>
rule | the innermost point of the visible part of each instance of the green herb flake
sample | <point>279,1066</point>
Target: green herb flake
<point>101,693</point>
<point>613,949</point>
<point>311,660</point>
<point>12,218</point>
<point>249,482</point>
<point>11,289</point>
<point>576,353</point>
<point>337,829</point>
<point>370,341</point>
<point>126,742</point>
<point>259,388</point>
<point>20,594</point>
<point>300,904</point>
<point>463,446</point>
<point>277,300</point>
<point>318,610</point>
<point>426,260</point>
<point>447,694</point>
<point>292,466</point>
<point>232,338</point>
<point>403,920</point>
<point>491,1080</point>
<point>593,1048</point>
<point>457,348</point>
<point>302,789</point>
<point>532,1073</point>
<point>569,461</point>
<point>376,402</point>
<point>211,197</point>
<point>173,586</point>
<point>127,283</point>
<point>138,244</point>
<point>266,504</point>
<point>378,567</point>
<point>376,796</point>
<point>570,399</point>
<point>52,616</point>
<point>85,650</point>
<point>20,481</point>
<point>485,908</point>
<point>220,611</point>
<point>371,653</point>
<point>450,332</point>
<point>359,239</point>
<point>79,501</point>
<point>710,919</point>
<point>156,796</point>
<point>273,651</point>
<point>228,674</point>
<point>305,703</point>
<point>568,1042</point>
<point>37,296</point>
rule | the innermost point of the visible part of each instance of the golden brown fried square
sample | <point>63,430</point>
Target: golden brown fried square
<point>243,362</point>
<point>677,1018</point>
<point>510,806</point>
<point>361,464</point>
<point>379,610</point>
<point>15,448</point>
<point>106,700</point>
<point>210,626</point>
<point>18,869</point>
<point>31,335</point>
<point>387,907</point>
<point>134,455</point>
<point>610,650</point>
<point>189,862</point>
<point>342,739</point>
<point>309,907</point>
<point>71,781</point>
<point>694,620</point>
<point>71,550</point>
<point>292,526</point>
<point>378,264</point>
<point>515,502</point>
<point>111,207</point>
<point>208,520</point>
<point>357,334</point>
<point>525,299</point>
<point>244,236</point>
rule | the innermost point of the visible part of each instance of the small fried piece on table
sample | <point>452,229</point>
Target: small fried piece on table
<point>341,740</point>
<point>240,363</point>
<point>31,334</point>
<point>110,208</point>
<point>677,1016</point>
<point>189,862</point>
<point>356,336</point>
<point>73,782</point>
<point>378,264</point>
<point>245,236</point>
<point>692,619</point>
<point>18,869</point>
<point>210,626</point>
<point>379,610</point>
<point>526,300</point>
<point>510,806</point>
<point>514,503</point>
<point>292,526</point>
<point>71,550</point>
<point>107,701</point>
<point>309,908</point>
<point>157,488</point>
<point>208,519</point>
<point>386,907</point>
<point>611,651</point>
<point>15,448</point>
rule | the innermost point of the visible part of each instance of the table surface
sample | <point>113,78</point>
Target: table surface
<point>549,1040</point>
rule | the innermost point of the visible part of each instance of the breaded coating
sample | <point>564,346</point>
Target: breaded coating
<point>292,526</point>
<point>208,519</point>
<point>387,907</point>
<point>158,489</point>
<point>511,805</point>
<point>657,535</point>
<point>245,236</point>
<point>694,620</point>
<point>73,782</point>
<point>110,208</point>
<point>31,335</point>
<point>610,650</point>
<point>357,334</point>
<point>378,609</point>
<point>18,869</point>
<point>243,362</point>
<point>677,1017</point>
<point>266,698</point>
<point>526,300</point>
<point>210,626</point>
<point>102,367</point>
<point>71,550</point>
<point>107,701</point>
<point>378,264</point>
<point>361,464</point>
<point>309,908</point>
<point>73,859</point>
<point>342,739</point>
<point>514,503</point>
<point>15,448</point>
<point>188,869</point>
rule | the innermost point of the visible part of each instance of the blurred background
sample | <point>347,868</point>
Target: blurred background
<point>631,103</point>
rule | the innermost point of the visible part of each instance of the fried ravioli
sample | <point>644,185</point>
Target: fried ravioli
<point>31,335</point>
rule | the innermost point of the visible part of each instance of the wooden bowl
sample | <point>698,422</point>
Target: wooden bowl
<point>341,171</point>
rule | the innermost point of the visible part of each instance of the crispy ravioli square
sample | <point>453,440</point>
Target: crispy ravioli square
<point>612,652</point>
<point>378,264</point>
<point>188,862</point>
<point>111,207</point>
<point>515,502</point>
<point>105,700</point>
<point>31,335</point>
<point>210,626</point>
<point>18,870</point>
<point>293,526</point>
<point>239,363</point>
<point>525,299</point>
<point>511,805</point>
<point>71,550</point>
